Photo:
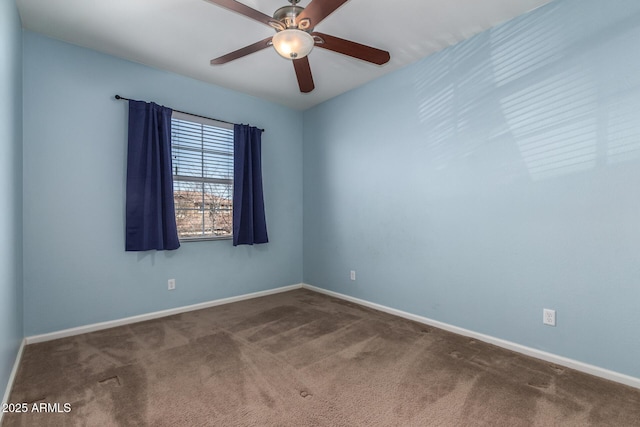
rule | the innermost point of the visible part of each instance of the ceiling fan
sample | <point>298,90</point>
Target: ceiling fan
<point>295,36</point>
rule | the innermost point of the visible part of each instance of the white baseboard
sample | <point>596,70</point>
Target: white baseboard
<point>155,315</point>
<point>12,377</point>
<point>518,348</point>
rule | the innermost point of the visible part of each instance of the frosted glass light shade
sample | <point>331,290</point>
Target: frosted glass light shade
<point>292,43</point>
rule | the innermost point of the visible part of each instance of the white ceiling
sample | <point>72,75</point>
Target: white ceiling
<point>182,36</point>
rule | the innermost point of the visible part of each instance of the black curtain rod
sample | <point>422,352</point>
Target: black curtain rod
<point>191,114</point>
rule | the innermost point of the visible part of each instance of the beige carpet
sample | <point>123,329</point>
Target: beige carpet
<point>303,359</point>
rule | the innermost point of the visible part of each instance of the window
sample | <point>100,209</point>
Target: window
<point>202,151</point>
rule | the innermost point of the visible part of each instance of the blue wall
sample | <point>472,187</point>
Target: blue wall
<point>10,188</point>
<point>492,180</point>
<point>76,271</point>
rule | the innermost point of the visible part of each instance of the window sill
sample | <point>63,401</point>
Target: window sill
<point>204,239</point>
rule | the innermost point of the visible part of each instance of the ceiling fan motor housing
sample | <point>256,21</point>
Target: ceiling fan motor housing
<point>287,16</point>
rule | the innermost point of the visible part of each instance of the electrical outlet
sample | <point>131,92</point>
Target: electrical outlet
<point>171,284</point>
<point>353,275</point>
<point>549,317</point>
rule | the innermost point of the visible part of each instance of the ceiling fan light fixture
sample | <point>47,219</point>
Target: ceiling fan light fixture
<point>293,43</point>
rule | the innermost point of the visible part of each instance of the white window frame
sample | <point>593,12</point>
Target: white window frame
<point>179,179</point>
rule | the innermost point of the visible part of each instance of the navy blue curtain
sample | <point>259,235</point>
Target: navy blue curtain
<point>150,217</point>
<point>249,223</point>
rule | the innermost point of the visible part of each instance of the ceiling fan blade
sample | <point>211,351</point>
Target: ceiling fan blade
<point>317,10</point>
<point>356,50</point>
<point>303,72</point>
<point>262,44</point>
<point>243,10</point>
